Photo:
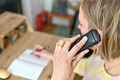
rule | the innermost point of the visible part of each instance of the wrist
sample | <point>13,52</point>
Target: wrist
<point>51,56</point>
<point>58,77</point>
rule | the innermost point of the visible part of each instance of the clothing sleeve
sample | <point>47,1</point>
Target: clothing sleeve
<point>83,66</point>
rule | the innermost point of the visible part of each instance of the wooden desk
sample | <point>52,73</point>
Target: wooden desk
<point>29,40</point>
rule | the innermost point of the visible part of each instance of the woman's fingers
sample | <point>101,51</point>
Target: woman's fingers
<point>69,42</point>
<point>36,53</point>
<point>37,47</point>
<point>55,51</point>
<point>59,45</point>
<point>77,47</point>
<point>63,45</point>
<point>78,57</point>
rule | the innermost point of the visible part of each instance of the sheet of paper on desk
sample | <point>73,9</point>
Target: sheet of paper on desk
<point>28,66</point>
<point>27,56</point>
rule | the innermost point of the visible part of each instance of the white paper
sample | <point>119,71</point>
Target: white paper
<point>27,56</point>
<point>28,66</point>
<point>29,71</point>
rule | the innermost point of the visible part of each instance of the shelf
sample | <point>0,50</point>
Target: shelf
<point>9,22</point>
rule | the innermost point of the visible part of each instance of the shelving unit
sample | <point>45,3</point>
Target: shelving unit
<point>9,22</point>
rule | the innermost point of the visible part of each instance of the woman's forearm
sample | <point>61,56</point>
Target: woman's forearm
<point>49,56</point>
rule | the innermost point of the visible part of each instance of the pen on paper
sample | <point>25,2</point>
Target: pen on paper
<point>47,47</point>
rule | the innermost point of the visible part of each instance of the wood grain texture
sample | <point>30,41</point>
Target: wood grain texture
<point>29,40</point>
<point>9,21</point>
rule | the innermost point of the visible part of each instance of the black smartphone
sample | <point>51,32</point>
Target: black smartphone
<point>0,50</point>
<point>93,39</point>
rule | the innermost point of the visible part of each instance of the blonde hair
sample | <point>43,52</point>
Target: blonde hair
<point>105,15</point>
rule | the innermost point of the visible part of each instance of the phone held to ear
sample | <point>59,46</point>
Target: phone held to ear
<point>93,39</point>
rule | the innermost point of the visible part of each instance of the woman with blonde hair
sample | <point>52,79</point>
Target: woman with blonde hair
<point>103,15</point>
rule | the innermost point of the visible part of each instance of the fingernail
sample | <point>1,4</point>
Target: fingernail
<point>78,35</point>
<point>85,38</point>
<point>86,51</point>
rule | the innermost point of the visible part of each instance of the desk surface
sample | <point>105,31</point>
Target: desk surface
<point>29,40</point>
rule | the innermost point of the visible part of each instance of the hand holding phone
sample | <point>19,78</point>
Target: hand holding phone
<point>93,39</point>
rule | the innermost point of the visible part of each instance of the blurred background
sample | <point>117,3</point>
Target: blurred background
<point>57,17</point>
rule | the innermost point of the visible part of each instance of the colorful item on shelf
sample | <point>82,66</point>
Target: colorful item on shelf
<point>1,36</point>
<point>6,42</point>
<point>15,34</point>
<point>41,20</point>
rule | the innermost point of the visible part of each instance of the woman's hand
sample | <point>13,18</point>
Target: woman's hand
<point>43,53</point>
<point>64,63</point>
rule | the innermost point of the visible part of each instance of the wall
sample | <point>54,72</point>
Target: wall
<point>32,7</point>
<point>59,21</point>
<point>10,5</point>
<point>2,6</point>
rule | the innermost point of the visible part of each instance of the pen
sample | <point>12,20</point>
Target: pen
<point>47,47</point>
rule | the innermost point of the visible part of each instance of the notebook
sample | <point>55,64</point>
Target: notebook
<point>28,66</point>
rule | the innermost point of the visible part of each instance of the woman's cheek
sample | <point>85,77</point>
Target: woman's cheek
<point>83,30</point>
<point>79,27</point>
